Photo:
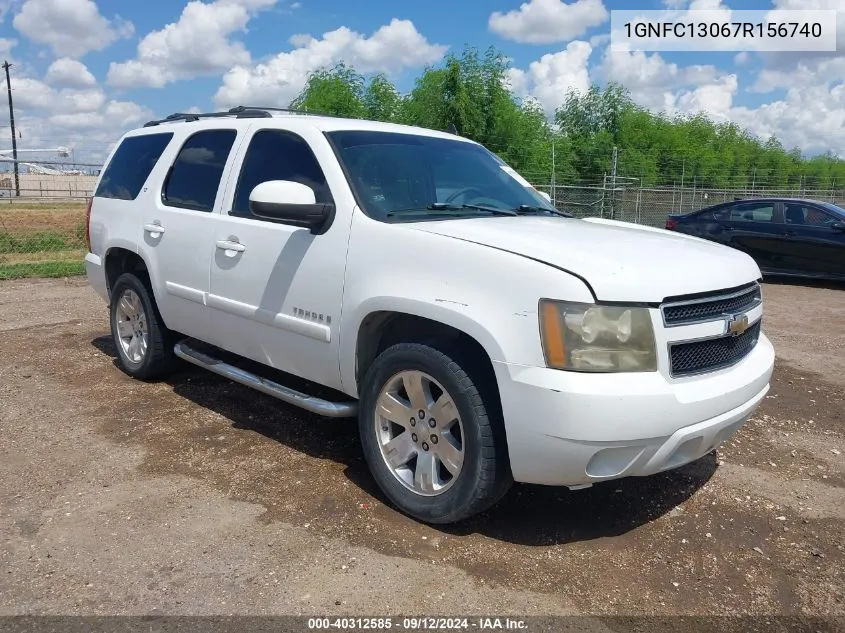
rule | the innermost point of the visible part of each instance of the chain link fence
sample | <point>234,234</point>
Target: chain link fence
<point>42,219</point>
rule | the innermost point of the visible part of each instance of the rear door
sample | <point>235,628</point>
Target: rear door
<point>815,246</point>
<point>175,229</point>
<point>752,227</point>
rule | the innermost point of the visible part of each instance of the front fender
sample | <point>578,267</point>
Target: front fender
<point>488,294</point>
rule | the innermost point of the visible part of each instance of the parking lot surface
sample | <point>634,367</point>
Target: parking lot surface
<point>196,495</point>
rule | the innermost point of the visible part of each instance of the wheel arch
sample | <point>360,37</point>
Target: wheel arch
<point>382,324</point>
<point>122,258</point>
<point>119,259</point>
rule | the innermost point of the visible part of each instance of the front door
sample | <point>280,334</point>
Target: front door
<point>276,290</point>
<point>815,244</point>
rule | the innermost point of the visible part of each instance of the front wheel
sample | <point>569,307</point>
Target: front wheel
<point>428,438</point>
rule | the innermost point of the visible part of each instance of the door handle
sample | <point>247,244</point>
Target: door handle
<point>227,245</point>
<point>154,228</point>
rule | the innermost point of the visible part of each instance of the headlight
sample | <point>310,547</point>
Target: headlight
<point>596,338</point>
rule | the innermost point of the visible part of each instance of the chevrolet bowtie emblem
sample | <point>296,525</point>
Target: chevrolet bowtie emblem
<point>737,324</point>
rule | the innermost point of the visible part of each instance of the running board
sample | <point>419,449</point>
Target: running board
<point>274,389</point>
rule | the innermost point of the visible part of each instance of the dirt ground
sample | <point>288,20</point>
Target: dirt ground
<point>198,496</point>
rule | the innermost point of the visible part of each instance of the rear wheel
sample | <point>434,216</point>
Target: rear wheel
<point>428,437</point>
<point>144,345</point>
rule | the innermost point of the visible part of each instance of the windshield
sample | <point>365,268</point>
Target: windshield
<point>836,209</point>
<point>403,177</point>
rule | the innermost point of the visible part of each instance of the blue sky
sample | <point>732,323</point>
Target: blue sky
<point>86,70</point>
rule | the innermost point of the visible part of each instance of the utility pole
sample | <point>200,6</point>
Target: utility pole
<point>6,67</point>
<point>553,173</point>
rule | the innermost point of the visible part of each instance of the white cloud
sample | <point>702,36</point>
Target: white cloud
<point>71,28</point>
<point>32,94</point>
<point>812,118</point>
<point>6,46</point>
<point>69,73</point>
<point>548,21</point>
<point>714,98</point>
<point>549,79</point>
<point>198,43</point>
<point>125,113</point>
<point>391,48</point>
<point>652,81</point>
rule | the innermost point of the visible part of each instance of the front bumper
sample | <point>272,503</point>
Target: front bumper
<point>571,429</point>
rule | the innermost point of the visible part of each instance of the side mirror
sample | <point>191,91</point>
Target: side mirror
<point>838,226</point>
<point>288,202</point>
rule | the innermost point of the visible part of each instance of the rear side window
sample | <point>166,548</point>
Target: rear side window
<point>278,155</point>
<point>131,165</point>
<point>753,212</point>
<point>197,170</point>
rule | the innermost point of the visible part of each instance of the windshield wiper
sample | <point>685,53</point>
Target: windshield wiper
<point>493,210</point>
<point>450,209</point>
<point>525,209</point>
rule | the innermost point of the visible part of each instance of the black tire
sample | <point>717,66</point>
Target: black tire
<point>485,475</point>
<point>159,359</point>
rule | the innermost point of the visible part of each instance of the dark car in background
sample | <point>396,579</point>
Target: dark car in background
<point>785,236</point>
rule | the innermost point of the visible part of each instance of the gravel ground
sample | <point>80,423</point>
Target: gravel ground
<point>198,496</point>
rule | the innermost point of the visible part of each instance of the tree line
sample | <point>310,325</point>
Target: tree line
<point>469,94</point>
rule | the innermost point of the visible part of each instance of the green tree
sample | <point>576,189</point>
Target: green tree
<point>382,102</point>
<point>338,90</point>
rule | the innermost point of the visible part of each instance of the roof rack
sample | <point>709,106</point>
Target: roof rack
<point>240,112</point>
<point>242,108</point>
<point>189,117</point>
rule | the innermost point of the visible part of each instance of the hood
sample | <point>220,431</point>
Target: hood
<point>619,260</point>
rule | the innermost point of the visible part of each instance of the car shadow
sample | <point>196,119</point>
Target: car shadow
<point>527,515</point>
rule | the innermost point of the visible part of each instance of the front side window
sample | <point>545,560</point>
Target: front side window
<point>801,214</point>
<point>130,166</point>
<point>399,176</point>
<point>278,155</point>
<point>195,175</point>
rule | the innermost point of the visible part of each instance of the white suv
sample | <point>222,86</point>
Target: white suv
<point>479,335</point>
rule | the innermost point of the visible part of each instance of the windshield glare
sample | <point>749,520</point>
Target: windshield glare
<point>835,208</point>
<point>394,172</point>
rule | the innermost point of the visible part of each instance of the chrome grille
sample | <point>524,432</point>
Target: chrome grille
<point>710,308</point>
<point>696,357</point>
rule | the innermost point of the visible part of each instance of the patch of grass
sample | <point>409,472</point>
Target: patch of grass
<point>76,255</point>
<point>45,241</point>
<point>41,269</point>
<point>41,206</point>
